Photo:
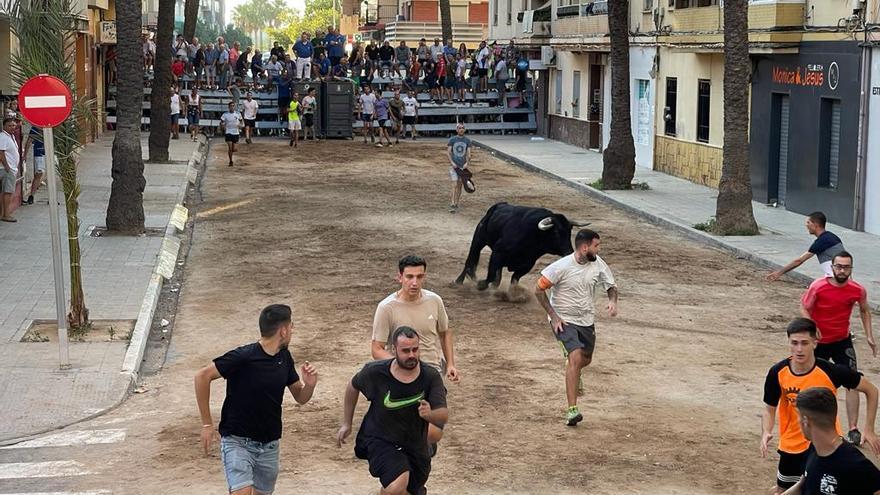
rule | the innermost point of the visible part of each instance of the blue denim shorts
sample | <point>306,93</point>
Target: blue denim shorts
<point>249,463</point>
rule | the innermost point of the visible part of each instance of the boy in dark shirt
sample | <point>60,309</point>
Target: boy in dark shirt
<point>825,247</point>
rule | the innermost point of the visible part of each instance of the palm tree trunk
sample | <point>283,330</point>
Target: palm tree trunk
<point>125,211</point>
<point>619,158</point>
<point>446,20</point>
<point>733,212</point>
<point>190,15</point>
<point>160,101</point>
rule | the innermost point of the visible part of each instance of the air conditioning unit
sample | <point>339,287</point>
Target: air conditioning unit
<point>548,56</point>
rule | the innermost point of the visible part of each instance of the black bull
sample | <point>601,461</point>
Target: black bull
<point>518,236</point>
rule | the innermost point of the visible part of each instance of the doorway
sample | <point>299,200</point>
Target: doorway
<point>595,112</point>
<point>779,153</point>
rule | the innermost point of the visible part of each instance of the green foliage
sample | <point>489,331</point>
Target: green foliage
<point>711,226</point>
<point>706,226</point>
<point>638,186</point>
<point>317,15</point>
<point>208,34</point>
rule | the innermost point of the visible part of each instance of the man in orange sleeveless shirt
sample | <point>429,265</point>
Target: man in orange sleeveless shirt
<point>800,371</point>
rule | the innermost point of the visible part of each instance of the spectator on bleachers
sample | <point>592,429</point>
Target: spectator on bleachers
<point>175,110</point>
<point>422,52</point>
<point>356,64</point>
<point>241,64</point>
<point>288,70</point>
<point>198,62</point>
<point>460,73</point>
<point>522,71</point>
<point>222,66</point>
<point>257,71</point>
<point>449,50</point>
<point>192,49</point>
<point>436,50</point>
<point>450,81</point>
<point>178,68</point>
<point>303,50</point>
<point>180,48</point>
<point>277,50</point>
<point>335,44</point>
<point>193,112</point>
<point>386,58</point>
<point>501,76</point>
<point>372,52</point>
<point>234,53</point>
<point>413,77</point>
<point>273,73</point>
<point>149,49</point>
<point>234,90</point>
<point>211,56</point>
<point>403,55</point>
<point>441,79</point>
<point>318,45</point>
<point>463,51</point>
<point>250,107</point>
<point>323,66</point>
<point>309,104</point>
<point>429,68</point>
<point>369,69</point>
<point>511,54</point>
<point>340,70</point>
<point>483,67</point>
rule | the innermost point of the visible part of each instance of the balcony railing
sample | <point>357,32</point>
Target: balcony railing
<point>380,14</point>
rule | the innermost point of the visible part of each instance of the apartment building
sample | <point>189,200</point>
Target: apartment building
<point>411,20</point>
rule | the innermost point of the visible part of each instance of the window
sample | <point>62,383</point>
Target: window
<point>509,12</point>
<point>703,100</point>
<point>558,94</point>
<point>576,94</point>
<point>671,100</point>
<point>648,5</point>
<point>495,13</point>
<point>829,142</point>
<point>683,4</point>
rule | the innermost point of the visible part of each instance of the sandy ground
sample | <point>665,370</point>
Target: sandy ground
<point>672,401</point>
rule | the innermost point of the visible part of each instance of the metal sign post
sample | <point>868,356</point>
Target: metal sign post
<point>45,101</point>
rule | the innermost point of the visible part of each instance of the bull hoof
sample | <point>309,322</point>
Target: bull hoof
<point>482,285</point>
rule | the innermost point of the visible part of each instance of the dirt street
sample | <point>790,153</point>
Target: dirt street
<point>672,401</point>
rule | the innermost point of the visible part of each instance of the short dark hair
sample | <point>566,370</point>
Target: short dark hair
<point>818,218</point>
<point>407,332</point>
<point>411,260</point>
<point>842,254</point>
<point>273,317</point>
<point>8,120</point>
<point>800,325</point>
<point>585,236</point>
<point>819,404</point>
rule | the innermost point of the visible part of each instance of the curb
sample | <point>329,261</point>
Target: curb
<point>688,231</point>
<point>164,269</point>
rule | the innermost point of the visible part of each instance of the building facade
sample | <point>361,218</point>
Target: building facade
<point>412,20</point>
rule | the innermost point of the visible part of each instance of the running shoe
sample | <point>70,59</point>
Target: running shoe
<point>854,437</point>
<point>573,417</point>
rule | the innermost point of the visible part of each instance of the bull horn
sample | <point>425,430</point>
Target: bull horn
<point>546,223</point>
<point>579,224</point>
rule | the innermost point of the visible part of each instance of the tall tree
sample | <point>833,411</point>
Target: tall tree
<point>125,211</point>
<point>160,99</point>
<point>733,211</point>
<point>619,158</point>
<point>317,14</point>
<point>190,16</point>
<point>446,19</point>
<point>50,28</point>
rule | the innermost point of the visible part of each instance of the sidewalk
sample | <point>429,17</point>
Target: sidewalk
<point>679,204</point>
<point>34,394</point>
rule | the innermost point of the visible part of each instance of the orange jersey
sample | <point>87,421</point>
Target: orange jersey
<point>782,386</point>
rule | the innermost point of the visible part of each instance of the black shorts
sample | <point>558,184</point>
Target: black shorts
<point>409,120</point>
<point>841,352</point>
<point>250,123</point>
<point>381,122</point>
<point>309,119</point>
<point>388,462</point>
<point>232,138</point>
<point>283,105</point>
<point>791,468</point>
<point>449,82</point>
<point>577,337</point>
<point>482,72</point>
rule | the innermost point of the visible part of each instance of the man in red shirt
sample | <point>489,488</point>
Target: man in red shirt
<point>829,302</point>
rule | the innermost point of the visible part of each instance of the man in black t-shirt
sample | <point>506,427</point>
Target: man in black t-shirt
<point>250,421</point>
<point>833,465</point>
<point>405,395</point>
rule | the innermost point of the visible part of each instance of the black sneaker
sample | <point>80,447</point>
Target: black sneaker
<point>30,199</point>
<point>854,437</point>
<point>434,449</point>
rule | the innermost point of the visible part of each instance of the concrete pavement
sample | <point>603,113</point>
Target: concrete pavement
<point>680,204</point>
<point>34,394</point>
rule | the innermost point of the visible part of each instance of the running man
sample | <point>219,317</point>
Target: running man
<point>396,107</point>
<point>824,247</point>
<point>800,371</point>
<point>415,307</point>
<point>309,104</point>
<point>833,466</point>
<point>382,109</point>
<point>250,421</point>
<point>35,136</point>
<point>251,106</point>
<point>571,309</point>
<point>458,150</point>
<point>410,113</point>
<point>406,397</point>
<point>368,106</point>
<point>230,125</point>
<point>829,302</point>
<point>293,123</point>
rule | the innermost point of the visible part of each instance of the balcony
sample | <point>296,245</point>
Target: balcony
<point>534,24</point>
<point>374,15</point>
<point>586,19</point>
<point>770,14</point>
<point>697,19</point>
<point>468,33</point>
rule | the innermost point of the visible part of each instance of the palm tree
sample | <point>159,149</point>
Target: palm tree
<point>733,211</point>
<point>160,99</point>
<point>190,16</point>
<point>125,211</point>
<point>50,28</point>
<point>446,19</point>
<point>619,158</point>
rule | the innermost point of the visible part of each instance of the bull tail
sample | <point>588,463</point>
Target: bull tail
<point>478,242</point>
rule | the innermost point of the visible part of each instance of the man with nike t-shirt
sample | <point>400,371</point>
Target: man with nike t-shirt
<point>406,395</point>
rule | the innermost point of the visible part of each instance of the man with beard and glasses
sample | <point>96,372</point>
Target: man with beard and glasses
<point>571,281</point>
<point>406,396</point>
<point>250,421</point>
<point>829,302</point>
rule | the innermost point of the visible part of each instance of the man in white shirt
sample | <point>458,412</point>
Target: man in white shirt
<point>436,50</point>
<point>10,157</point>
<point>175,113</point>
<point>230,123</point>
<point>483,66</point>
<point>571,310</point>
<point>250,106</point>
<point>309,105</point>
<point>368,107</point>
<point>410,113</point>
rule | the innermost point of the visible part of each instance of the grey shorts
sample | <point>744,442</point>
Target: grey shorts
<point>7,181</point>
<point>249,463</point>
<point>577,337</point>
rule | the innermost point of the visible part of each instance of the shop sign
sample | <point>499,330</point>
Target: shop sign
<point>108,32</point>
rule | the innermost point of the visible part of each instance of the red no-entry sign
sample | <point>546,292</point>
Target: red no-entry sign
<point>45,101</point>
